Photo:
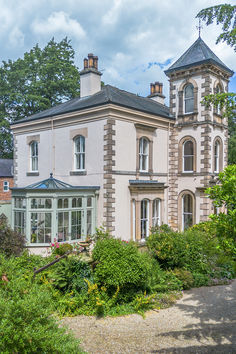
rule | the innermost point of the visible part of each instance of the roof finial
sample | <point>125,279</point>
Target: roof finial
<point>51,175</point>
<point>199,27</point>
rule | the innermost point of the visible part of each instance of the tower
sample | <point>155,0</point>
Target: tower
<point>199,140</point>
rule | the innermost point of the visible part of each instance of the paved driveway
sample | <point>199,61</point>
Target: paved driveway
<point>203,321</point>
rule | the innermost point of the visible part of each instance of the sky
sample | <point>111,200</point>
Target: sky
<point>135,40</point>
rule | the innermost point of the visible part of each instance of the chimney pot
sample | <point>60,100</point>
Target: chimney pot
<point>85,63</point>
<point>157,87</point>
<point>95,62</point>
<point>152,89</point>
<point>90,60</point>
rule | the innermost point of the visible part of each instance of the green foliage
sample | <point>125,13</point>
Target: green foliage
<point>200,279</point>
<point>223,14</point>
<point>11,242</point>
<point>42,79</point>
<point>194,250</point>
<point>26,322</point>
<point>70,274</point>
<point>224,195</point>
<point>227,104</point>
<point>62,249</point>
<point>120,264</point>
<point>185,277</point>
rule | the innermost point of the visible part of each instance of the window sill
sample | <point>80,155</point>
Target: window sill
<point>78,173</point>
<point>32,173</point>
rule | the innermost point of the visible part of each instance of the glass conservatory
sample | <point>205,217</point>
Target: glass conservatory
<point>52,209</point>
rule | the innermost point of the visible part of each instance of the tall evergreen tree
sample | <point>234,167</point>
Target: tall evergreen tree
<point>42,79</point>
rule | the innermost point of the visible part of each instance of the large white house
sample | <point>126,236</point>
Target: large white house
<point>112,158</point>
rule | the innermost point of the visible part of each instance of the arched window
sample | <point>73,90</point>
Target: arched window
<point>34,156</point>
<point>156,212</point>
<point>187,211</point>
<point>143,154</point>
<point>188,99</point>
<point>79,153</point>
<point>144,218</point>
<point>216,156</point>
<point>188,155</point>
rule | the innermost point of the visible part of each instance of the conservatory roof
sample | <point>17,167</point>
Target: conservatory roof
<point>54,184</point>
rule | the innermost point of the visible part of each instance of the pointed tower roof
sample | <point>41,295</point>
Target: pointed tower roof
<point>198,53</point>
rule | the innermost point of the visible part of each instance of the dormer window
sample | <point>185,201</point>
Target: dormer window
<point>34,156</point>
<point>188,99</point>
<point>79,153</point>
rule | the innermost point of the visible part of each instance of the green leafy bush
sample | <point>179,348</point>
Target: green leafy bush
<point>70,274</point>
<point>11,242</point>
<point>26,323</point>
<point>193,249</point>
<point>185,277</point>
<point>61,248</point>
<point>120,264</point>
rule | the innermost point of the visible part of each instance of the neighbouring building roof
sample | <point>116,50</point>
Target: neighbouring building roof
<point>198,53</point>
<point>6,168</point>
<point>55,185</point>
<point>108,94</point>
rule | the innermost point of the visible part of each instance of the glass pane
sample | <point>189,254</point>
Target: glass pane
<point>188,91</point>
<point>89,202</point>
<point>59,203</point>
<point>188,163</point>
<point>89,222</point>
<point>41,203</point>
<point>48,204</point>
<point>187,203</point>
<point>188,148</point>
<point>65,203</point>
<point>189,105</point>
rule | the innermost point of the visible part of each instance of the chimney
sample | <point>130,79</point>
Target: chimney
<point>156,92</point>
<point>90,77</point>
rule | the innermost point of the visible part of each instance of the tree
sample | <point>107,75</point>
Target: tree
<point>223,195</point>
<point>42,79</point>
<point>223,14</point>
<point>227,103</point>
<point>226,15</point>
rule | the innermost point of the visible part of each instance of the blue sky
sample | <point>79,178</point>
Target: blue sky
<point>135,40</point>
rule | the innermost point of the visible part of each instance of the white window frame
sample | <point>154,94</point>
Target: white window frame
<point>156,212</point>
<point>187,212</point>
<point>5,186</point>
<point>188,98</point>
<point>144,219</point>
<point>34,156</point>
<point>143,156</point>
<point>79,154</point>
<point>216,156</point>
<point>184,156</point>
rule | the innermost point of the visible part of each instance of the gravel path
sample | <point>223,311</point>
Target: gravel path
<point>203,321</point>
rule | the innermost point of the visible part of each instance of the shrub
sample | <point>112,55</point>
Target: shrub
<point>200,280</point>
<point>120,264</point>
<point>167,246</point>
<point>70,274</point>
<point>61,248</point>
<point>185,277</point>
<point>11,242</point>
<point>26,323</point>
<point>192,249</point>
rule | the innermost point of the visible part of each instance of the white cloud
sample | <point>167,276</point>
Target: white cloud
<point>58,22</point>
<point>16,37</point>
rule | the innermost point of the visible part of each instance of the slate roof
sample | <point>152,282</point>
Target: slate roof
<point>6,168</point>
<point>108,94</point>
<point>54,184</point>
<point>198,53</point>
